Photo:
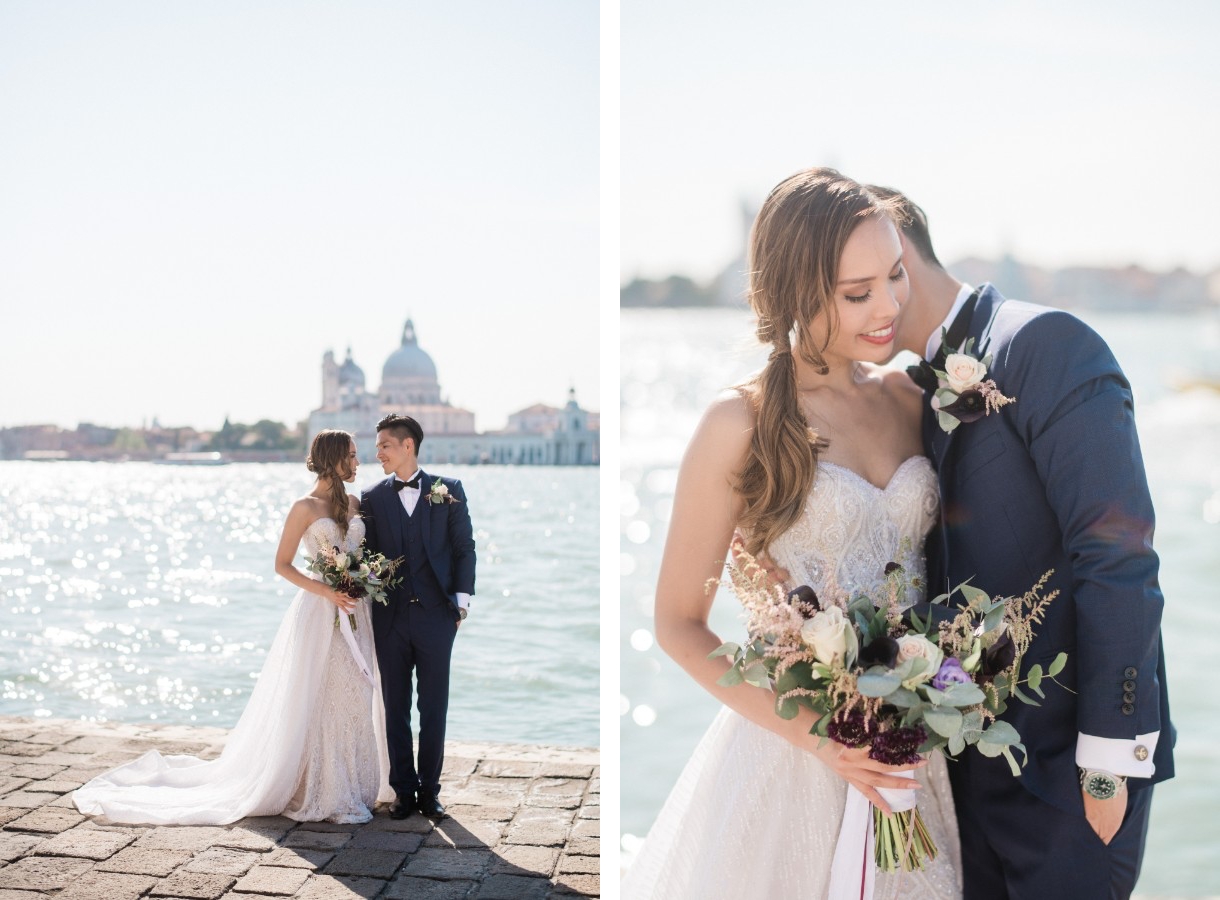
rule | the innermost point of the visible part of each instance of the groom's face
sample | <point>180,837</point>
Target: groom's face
<point>396,455</point>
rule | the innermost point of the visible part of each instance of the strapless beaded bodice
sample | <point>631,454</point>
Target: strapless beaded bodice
<point>850,529</point>
<point>324,533</point>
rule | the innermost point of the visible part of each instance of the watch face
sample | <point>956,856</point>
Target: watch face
<point>1100,786</point>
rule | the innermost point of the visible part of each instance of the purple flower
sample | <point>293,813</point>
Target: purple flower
<point>950,672</point>
<point>898,747</point>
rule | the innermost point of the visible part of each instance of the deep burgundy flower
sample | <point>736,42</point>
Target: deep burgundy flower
<point>805,594</point>
<point>997,657</point>
<point>851,730</point>
<point>968,407</point>
<point>899,746</point>
<point>882,651</point>
<point>892,567</point>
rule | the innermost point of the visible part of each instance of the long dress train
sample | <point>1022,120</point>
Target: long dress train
<point>753,816</point>
<point>309,745</point>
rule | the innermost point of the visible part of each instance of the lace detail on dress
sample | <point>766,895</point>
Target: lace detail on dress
<point>340,771</point>
<point>850,529</point>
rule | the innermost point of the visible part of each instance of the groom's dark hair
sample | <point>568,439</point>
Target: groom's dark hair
<point>402,427</point>
<point>911,219</point>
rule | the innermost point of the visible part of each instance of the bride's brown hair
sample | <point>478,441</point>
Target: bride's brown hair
<point>795,247</point>
<point>328,459</point>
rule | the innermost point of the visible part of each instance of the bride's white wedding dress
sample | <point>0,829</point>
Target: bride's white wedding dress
<point>753,816</point>
<point>309,745</point>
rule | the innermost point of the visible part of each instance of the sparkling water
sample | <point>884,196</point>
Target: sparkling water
<point>141,592</point>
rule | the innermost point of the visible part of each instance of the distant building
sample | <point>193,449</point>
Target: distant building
<point>537,435</point>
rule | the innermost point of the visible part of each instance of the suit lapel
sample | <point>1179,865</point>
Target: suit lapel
<point>392,512</point>
<point>424,509</point>
<point>980,328</point>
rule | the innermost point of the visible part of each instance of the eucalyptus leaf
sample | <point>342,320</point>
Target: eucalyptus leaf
<point>1012,763</point>
<point>903,699</point>
<point>1033,677</point>
<point>1057,665</point>
<point>967,694</point>
<point>730,678</point>
<point>1000,732</point>
<point>944,720</point>
<point>956,744</point>
<point>728,649</point>
<point>787,708</point>
<point>878,684</point>
<point>993,619</point>
<point>991,750</point>
<point>971,593</point>
<point>946,421</point>
<point>1024,697</point>
<point>756,674</point>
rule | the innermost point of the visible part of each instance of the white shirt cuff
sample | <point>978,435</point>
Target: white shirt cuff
<point>1118,756</point>
<point>463,600</point>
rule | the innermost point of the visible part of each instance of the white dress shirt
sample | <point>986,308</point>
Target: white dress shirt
<point>408,497</point>
<point>1118,756</point>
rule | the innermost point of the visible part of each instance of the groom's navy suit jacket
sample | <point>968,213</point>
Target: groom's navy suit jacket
<point>1056,481</point>
<point>447,537</point>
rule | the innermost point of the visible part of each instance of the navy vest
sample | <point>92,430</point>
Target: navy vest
<point>418,577</point>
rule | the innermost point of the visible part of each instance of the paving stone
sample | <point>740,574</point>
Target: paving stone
<point>218,861</point>
<point>10,783</point>
<point>47,820</point>
<point>500,768</point>
<point>14,845</point>
<point>300,858</point>
<point>550,830</point>
<point>399,841</point>
<point>58,785</point>
<point>17,748</point>
<point>465,834</point>
<point>583,846</point>
<point>427,889</point>
<point>52,736</point>
<point>317,840</point>
<point>513,887</point>
<point>373,863</point>
<point>89,843</point>
<point>8,894</point>
<point>524,859</point>
<point>564,770</point>
<point>579,865</point>
<point>107,886</point>
<point>481,813</point>
<point>587,828</point>
<point>193,885</point>
<point>8,813</point>
<point>28,799</point>
<point>273,880</point>
<point>414,824</point>
<point>137,861</point>
<point>336,827</point>
<point>283,823</point>
<point>181,837</point>
<point>589,811</point>
<point>331,887</point>
<point>448,864</point>
<point>459,767</point>
<point>43,873</point>
<point>256,839</point>
<point>577,885</point>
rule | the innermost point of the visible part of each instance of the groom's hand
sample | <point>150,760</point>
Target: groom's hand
<point>1105,816</point>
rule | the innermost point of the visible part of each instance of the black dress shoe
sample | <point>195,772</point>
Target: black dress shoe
<point>430,807</point>
<point>401,807</point>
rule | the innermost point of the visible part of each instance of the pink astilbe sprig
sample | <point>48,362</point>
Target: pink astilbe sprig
<point>993,399</point>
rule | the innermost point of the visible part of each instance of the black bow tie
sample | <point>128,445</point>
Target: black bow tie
<point>399,485</point>
<point>923,374</point>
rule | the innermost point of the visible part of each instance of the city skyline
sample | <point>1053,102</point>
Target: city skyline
<point>1063,135</point>
<point>200,201</point>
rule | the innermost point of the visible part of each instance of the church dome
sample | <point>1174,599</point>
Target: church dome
<point>409,361</point>
<point>350,373</point>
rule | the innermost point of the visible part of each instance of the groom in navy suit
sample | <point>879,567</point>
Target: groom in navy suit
<point>425,520</point>
<point>1056,481</point>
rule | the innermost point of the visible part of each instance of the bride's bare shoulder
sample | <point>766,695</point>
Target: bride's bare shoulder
<point>726,426</point>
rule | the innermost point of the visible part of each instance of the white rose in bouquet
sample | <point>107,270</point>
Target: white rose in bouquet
<point>916,646</point>
<point>826,634</point>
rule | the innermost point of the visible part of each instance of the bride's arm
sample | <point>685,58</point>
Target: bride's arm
<point>705,513</point>
<point>299,518</point>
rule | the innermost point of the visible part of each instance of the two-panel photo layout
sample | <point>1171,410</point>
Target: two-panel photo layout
<point>319,578</point>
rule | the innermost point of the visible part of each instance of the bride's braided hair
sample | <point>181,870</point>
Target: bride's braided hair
<point>795,247</point>
<point>328,460</point>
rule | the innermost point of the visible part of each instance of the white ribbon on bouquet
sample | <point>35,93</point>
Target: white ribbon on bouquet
<point>345,628</point>
<point>854,869</point>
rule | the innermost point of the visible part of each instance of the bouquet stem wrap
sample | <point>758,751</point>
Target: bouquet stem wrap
<point>858,854</point>
<point>345,628</point>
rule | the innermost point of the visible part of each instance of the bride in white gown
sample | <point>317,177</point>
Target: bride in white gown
<point>817,460</point>
<point>310,743</point>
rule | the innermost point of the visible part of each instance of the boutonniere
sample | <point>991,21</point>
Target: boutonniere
<point>440,494</point>
<point>963,391</point>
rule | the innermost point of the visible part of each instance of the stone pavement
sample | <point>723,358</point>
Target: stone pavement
<point>523,823</point>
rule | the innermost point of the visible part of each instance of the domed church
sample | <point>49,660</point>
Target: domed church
<point>409,385</point>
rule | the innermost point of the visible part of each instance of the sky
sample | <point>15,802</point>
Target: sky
<point>1063,133</point>
<point>198,200</point>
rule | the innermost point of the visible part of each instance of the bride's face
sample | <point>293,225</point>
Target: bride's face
<point>351,464</point>
<point>871,289</point>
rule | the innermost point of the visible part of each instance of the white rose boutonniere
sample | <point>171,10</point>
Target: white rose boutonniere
<point>440,494</point>
<point>963,392</point>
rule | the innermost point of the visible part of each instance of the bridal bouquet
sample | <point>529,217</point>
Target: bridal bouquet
<point>886,679</point>
<point>358,573</point>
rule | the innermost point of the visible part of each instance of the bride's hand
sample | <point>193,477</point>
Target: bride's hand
<point>864,774</point>
<point>340,599</point>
